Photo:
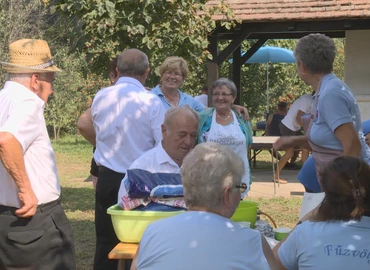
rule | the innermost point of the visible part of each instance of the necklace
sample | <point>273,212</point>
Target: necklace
<point>224,118</point>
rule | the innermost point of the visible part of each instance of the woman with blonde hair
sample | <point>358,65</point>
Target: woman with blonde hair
<point>174,71</point>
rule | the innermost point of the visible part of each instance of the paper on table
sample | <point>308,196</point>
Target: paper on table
<point>310,201</point>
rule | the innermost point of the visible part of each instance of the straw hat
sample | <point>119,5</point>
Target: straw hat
<point>29,56</point>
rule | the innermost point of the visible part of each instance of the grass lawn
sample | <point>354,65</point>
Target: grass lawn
<point>73,160</point>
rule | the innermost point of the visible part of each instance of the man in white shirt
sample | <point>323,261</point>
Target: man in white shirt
<point>35,232</point>
<point>203,97</point>
<point>179,131</point>
<point>127,122</point>
<point>291,125</point>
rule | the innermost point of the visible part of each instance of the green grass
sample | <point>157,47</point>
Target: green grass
<point>74,154</point>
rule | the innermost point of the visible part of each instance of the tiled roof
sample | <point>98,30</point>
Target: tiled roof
<point>283,10</point>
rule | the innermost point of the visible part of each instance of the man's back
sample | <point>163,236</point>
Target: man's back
<point>202,98</point>
<point>200,240</point>
<point>127,121</point>
<point>303,104</point>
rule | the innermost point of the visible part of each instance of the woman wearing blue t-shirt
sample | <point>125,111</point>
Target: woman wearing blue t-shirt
<point>335,127</point>
<point>336,234</point>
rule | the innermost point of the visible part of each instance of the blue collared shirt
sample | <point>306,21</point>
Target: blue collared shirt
<point>184,100</point>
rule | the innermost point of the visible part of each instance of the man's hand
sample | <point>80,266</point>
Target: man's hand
<point>29,201</point>
<point>241,110</point>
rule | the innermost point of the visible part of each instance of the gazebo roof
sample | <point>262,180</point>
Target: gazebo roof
<point>285,10</point>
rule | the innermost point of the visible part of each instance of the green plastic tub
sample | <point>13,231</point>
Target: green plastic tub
<point>130,225</point>
<point>246,211</point>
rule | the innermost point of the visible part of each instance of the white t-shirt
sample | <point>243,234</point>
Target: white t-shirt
<point>127,121</point>
<point>328,245</point>
<point>200,240</point>
<point>203,98</point>
<point>155,160</point>
<point>303,104</point>
<point>22,114</point>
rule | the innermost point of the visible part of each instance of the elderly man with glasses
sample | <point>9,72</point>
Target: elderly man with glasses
<point>204,237</point>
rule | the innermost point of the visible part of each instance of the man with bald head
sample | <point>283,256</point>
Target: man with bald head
<point>179,131</point>
<point>127,122</point>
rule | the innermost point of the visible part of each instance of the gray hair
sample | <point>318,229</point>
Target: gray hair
<point>25,77</point>
<point>317,52</point>
<point>172,112</point>
<point>228,83</point>
<point>132,62</point>
<point>206,171</point>
<point>19,77</point>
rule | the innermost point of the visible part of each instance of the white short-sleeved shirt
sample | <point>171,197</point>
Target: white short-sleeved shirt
<point>155,160</point>
<point>22,114</point>
<point>203,98</point>
<point>127,121</point>
<point>328,245</point>
<point>200,240</point>
<point>303,104</point>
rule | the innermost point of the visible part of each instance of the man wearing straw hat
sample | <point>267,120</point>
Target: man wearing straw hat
<point>35,233</point>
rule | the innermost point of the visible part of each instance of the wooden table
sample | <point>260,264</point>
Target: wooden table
<point>266,143</point>
<point>255,129</point>
<point>124,252</point>
<point>253,157</point>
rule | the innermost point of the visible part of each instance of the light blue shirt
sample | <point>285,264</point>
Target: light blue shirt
<point>336,106</point>
<point>327,245</point>
<point>184,100</point>
<point>199,240</point>
<point>366,127</point>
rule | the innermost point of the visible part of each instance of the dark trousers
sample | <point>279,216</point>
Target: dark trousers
<point>106,195</point>
<point>42,242</point>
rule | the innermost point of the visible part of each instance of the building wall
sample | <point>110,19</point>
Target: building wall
<point>357,68</point>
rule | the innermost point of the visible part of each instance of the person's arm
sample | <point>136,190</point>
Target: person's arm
<point>86,128</point>
<point>134,260</point>
<point>11,155</point>
<point>269,255</point>
<point>348,137</point>
<point>286,142</point>
<point>156,114</point>
<point>335,110</point>
<point>241,110</point>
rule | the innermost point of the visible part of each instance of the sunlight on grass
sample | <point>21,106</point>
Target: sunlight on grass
<point>74,154</point>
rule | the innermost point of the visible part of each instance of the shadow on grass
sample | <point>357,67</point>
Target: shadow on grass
<point>84,239</point>
<point>78,198</point>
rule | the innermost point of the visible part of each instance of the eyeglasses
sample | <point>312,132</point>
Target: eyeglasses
<point>169,74</point>
<point>242,187</point>
<point>221,95</point>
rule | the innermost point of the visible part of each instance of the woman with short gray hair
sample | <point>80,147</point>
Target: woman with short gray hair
<point>204,237</point>
<point>216,170</point>
<point>221,124</point>
<point>334,128</point>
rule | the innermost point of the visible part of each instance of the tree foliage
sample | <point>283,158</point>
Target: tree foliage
<point>85,34</point>
<point>159,28</point>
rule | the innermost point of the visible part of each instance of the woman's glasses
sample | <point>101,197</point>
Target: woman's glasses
<point>175,74</point>
<point>242,187</point>
<point>221,95</point>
